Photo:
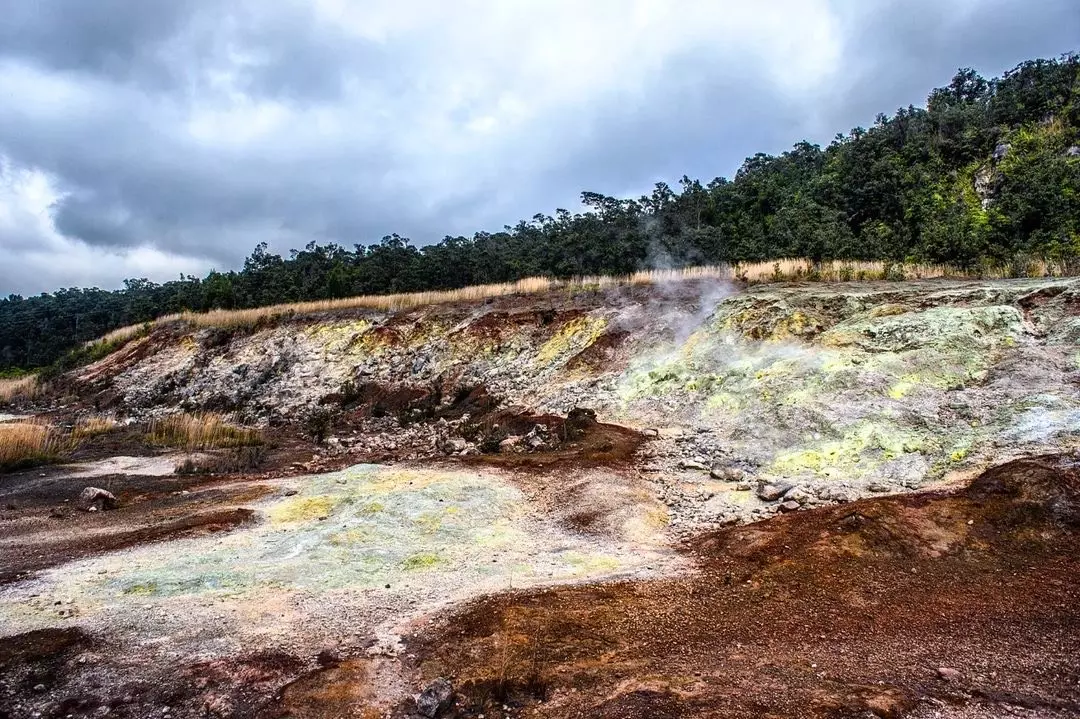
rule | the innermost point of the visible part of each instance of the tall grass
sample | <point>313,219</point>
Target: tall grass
<point>18,388</point>
<point>24,444</point>
<point>782,270</point>
<point>93,426</point>
<point>200,431</point>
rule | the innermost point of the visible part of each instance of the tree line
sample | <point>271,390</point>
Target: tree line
<point>987,171</point>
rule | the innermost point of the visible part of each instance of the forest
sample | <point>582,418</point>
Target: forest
<point>987,172</point>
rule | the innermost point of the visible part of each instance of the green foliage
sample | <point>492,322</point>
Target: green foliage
<point>988,173</point>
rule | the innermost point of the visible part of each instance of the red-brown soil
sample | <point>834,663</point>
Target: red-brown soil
<point>840,612</point>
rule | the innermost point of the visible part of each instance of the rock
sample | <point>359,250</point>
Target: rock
<point>985,183</point>
<point>650,433</point>
<point>534,442</point>
<point>798,495</point>
<point>510,443</point>
<point>95,499</point>
<point>948,674</point>
<point>1073,151</point>
<point>436,698</point>
<point>835,493</point>
<point>1001,151</point>
<point>692,464</point>
<point>879,487</point>
<point>726,474</point>
<point>455,445</point>
<point>790,506</point>
<point>773,491</point>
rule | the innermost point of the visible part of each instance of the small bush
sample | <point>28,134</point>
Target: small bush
<point>319,422</point>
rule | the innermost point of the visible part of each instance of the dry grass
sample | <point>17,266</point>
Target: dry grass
<point>93,427</point>
<point>385,303</point>
<point>24,444</point>
<point>200,431</point>
<point>796,269</point>
<point>783,270</point>
<point>21,388</point>
<point>119,336</point>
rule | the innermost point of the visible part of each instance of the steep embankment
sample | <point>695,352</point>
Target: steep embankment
<point>843,390</point>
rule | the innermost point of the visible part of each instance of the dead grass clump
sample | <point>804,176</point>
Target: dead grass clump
<point>93,426</point>
<point>237,460</point>
<point>119,336</point>
<point>18,388</point>
<point>25,444</point>
<point>200,431</point>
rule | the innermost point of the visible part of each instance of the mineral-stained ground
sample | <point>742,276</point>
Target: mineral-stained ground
<point>848,500</point>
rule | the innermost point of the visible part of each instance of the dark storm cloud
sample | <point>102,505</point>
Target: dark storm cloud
<point>898,52</point>
<point>199,127</point>
<point>118,39</point>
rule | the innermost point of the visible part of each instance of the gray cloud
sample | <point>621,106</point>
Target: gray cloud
<point>153,137</point>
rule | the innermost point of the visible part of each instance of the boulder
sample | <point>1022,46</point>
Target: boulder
<point>455,445</point>
<point>773,491</point>
<point>95,499</point>
<point>789,506</point>
<point>727,474</point>
<point>692,464</point>
<point>510,444</point>
<point>798,495</point>
<point>435,698</point>
<point>948,674</point>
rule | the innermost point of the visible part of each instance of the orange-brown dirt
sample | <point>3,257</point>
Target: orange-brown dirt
<point>846,611</point>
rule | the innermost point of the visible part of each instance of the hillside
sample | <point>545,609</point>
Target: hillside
<point>669,498</point>
<point>985,177</point>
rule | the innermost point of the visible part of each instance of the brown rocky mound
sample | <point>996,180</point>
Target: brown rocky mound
<point>935,604</point>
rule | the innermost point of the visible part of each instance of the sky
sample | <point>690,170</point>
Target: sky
<point>154,138</point>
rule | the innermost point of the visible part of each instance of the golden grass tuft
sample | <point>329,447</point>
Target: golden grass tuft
<point>20,388</point>
<point>385,303</point>
<point>24,444</point>
<point>120,335</point>
<point>200,431</point>
<point>93,426</point>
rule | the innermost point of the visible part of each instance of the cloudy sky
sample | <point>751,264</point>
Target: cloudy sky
<point>150,138</point>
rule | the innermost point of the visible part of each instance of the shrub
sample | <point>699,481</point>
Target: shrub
<point>318,423</point>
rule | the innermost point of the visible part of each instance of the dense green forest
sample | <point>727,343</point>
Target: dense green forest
<point>987,172</point>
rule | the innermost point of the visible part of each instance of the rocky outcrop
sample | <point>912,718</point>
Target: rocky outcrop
<point>844,390</point>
